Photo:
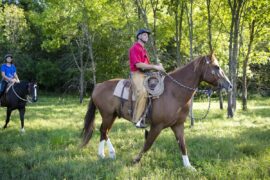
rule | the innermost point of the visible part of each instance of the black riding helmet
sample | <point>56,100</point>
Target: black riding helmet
<point>140,31</point>
<point>8,55</point>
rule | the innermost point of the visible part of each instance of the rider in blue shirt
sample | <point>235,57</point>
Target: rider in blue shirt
<point>8,72</point>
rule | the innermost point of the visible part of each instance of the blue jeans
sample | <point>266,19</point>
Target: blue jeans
<point>3,86</point>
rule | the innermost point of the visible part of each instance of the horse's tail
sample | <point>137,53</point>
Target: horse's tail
<point>88,123</point>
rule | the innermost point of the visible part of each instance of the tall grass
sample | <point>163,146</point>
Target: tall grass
<point>219,148</point>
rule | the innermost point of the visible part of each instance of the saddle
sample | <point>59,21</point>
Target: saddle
<point>154,84</point>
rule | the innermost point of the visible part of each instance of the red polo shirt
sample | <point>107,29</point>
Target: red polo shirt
<point>137,54</point>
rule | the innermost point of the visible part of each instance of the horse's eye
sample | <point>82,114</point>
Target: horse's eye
<point>216,68</point>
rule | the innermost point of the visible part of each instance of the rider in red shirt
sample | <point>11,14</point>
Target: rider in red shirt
<point>137,54</point>
<point>139,62</point>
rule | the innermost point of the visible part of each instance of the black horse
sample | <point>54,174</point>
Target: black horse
<point>16,97</point>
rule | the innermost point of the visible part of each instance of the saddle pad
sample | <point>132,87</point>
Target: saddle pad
<point>119,88</point>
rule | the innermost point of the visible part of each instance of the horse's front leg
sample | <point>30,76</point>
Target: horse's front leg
<point>22,112</point>
<point>178,130</point>
<point>150,138</point>
<point>8,113</point>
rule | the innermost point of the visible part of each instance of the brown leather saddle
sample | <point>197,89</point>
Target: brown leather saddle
<point>154,84</point>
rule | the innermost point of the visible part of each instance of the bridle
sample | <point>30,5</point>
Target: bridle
<point>207,92</point>
<point>28,98</point>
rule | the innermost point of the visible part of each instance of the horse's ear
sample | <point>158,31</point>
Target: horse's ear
<point>212,55</point>
<point>207,60</point>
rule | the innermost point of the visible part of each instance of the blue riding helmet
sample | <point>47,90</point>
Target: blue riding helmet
<point>143,31</point>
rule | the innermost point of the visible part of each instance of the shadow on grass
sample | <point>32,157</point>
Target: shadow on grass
<point>53,153</point>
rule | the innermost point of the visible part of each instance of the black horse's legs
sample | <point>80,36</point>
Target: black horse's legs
<point>151,137</point>
<point>178,130</point>
<point>22,112</point>
<point>107,121</point>
<point>8,113</point>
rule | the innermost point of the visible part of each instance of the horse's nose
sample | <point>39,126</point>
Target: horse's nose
<point>35,99</point>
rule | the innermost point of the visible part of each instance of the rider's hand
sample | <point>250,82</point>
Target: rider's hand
<point>159,67</point>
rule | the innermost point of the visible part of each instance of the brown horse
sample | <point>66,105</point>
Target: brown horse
<point>169,110</point>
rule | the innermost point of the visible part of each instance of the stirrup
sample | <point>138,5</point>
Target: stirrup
<point>141,123</point>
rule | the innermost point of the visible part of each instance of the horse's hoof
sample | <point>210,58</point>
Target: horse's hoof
<point>101,156</point>
<point>112,155</point>
<point>22,130</point>
<point>4,127</point>
<point>191,168</point>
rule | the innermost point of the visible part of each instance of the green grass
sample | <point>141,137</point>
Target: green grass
<point>219,148</point>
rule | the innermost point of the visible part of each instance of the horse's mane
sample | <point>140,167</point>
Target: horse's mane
<point>198,62</point>
<point>23,84</point>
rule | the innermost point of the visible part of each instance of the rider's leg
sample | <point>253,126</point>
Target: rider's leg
<point>3,86</point>
<point>141,95</point>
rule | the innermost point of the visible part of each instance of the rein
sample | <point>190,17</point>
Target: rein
<point>208,93</point>
<point>180,84</point>
<point>26,100</point>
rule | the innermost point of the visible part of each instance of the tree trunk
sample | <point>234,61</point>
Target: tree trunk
<point>190,23</point>
<point>93,64</point>
<point>208,2</point>
<point>233,52</point>
<point>220,99</point>
<point>178,30</point>
<point>142,12</point>
<point>230,112</point>
<point>244,86</point>
<point>81,81</point>
<point>178,58</point>
<point>154,4</point>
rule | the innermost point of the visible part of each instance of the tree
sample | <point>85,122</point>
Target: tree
<point>66,26</point>
<point>178,18</point>
<point>143,13</point>
<point>236,9</point>
<point>14,30</point>
<point>256,19</point>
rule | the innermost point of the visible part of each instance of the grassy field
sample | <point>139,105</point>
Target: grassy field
<point>219,148</point>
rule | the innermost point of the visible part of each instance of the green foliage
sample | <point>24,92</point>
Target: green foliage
<point>261,77</point>
<point>50,74</point>
<point>218,147</point>
<point>14,29</point>
<point>37,30</point>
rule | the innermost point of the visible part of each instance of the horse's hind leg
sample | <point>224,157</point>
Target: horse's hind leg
<point>151,137</point>
<point>107,121</point>
<point>22,112</point>
<point>8,113</point>
<point>178,130</point>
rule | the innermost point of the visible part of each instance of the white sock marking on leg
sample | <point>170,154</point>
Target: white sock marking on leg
<point>101,149</point>
<point>111,149</point>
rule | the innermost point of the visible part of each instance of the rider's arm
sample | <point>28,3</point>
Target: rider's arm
<point>16,77</point>
<point>5,77</point>
<point>144,66</point>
